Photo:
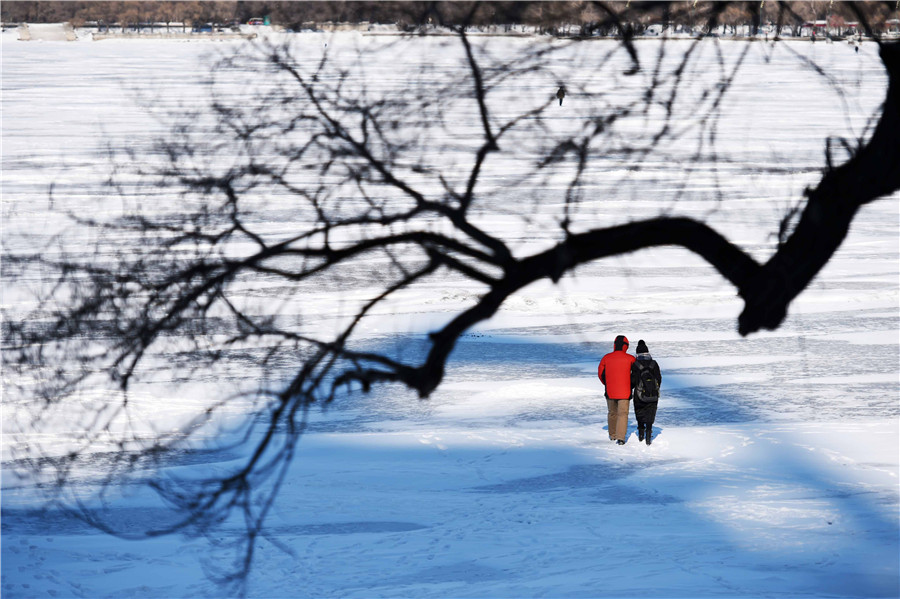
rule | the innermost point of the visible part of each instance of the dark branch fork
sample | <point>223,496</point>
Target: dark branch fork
<point>767,289</point>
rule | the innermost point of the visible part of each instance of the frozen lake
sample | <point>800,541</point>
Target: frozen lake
<point>774,472</point>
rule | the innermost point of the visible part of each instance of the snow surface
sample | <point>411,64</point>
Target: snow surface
<point>774,467</point>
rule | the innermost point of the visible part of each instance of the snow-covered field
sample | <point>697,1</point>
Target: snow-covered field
<point>774,467</point>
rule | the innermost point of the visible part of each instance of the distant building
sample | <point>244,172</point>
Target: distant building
<point>816,28</point>
<point>892,28</point>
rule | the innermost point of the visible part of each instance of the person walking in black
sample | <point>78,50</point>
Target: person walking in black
<point>645,379</point>
<point>560,94</point>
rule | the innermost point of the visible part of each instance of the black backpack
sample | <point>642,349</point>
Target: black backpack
<point>648,389</point>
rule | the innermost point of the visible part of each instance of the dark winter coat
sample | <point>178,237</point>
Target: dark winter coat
<point>647,362</point>
<point>644,411</point>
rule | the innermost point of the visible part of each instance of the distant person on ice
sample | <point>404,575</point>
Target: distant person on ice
<point>561,93</point>
<point>645,379</point>
<point>615,374</point>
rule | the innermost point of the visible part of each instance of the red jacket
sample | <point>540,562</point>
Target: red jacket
<point>615,372</point>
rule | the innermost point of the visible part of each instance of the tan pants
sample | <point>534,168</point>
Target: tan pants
<point>618,418</point>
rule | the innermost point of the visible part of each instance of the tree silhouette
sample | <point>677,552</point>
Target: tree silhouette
<point>316,174</point>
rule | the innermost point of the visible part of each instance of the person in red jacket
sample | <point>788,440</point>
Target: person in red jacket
<point>615,374</point>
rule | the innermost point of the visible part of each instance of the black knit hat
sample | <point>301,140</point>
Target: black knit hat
<point>642,347</point>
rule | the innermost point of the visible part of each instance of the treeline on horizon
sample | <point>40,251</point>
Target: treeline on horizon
<point>412,13</point>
